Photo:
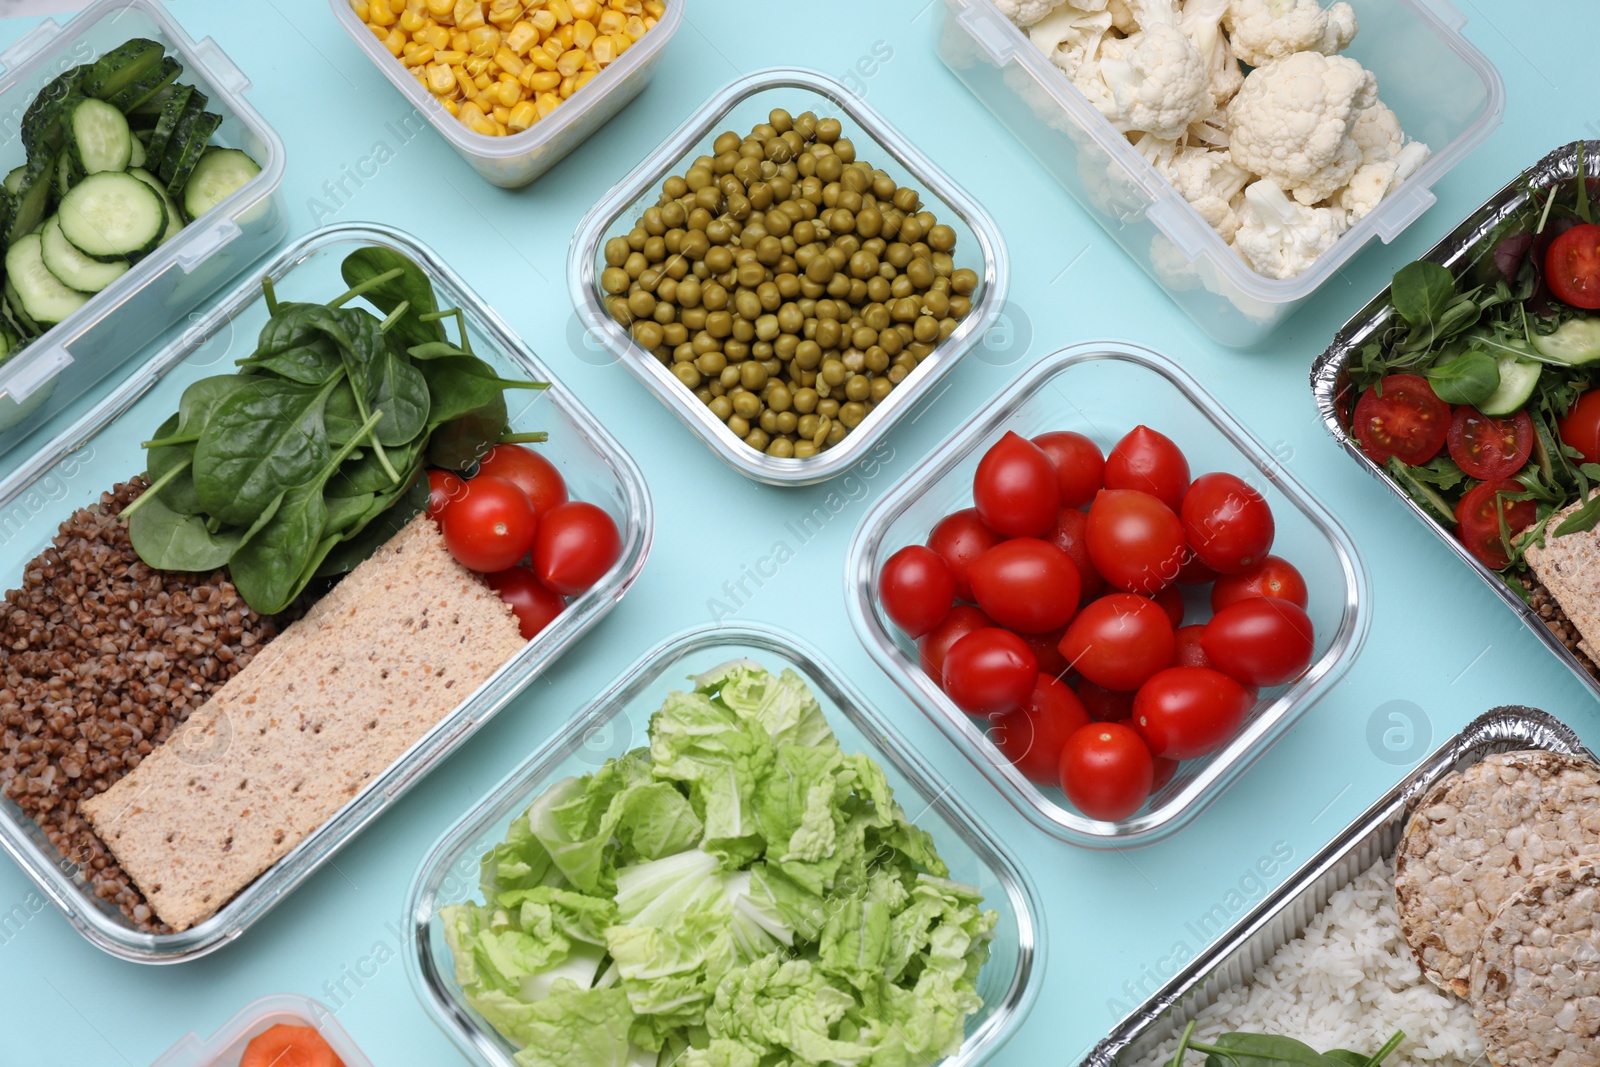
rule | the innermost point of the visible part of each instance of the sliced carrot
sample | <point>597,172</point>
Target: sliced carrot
<point>289,1046</point>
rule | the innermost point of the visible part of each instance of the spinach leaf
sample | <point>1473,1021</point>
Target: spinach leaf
<point>345,511</point>
<point>401,392</point>
<point>314,363</point>
<point>171,467</point>
<point>261,441</point>
<point>1421,292</point>
<point>397,510</point>
<point>201,400</point>
<point>267,569</point>
<point>1259,1050</point>
<point>1470,378</point>
<point>462,384</point>
<point>1345,1056</point>
<point>367,474</point>
<point>289,327</point>
<point>435,350</point>
<point>342,417</point>
<point>466,439</point>
<point>171,541</point>
<point>410,286</point>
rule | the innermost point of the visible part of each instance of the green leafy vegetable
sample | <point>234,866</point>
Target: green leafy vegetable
<point>1470,378</point>
<point>1237,1049</point>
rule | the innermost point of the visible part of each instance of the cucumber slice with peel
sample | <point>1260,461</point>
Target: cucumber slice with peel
<point>219,173</point>
<point>1518,378</point>
<point>99,136</point>
<point>76,270</point>
<point>113,217</point>
<point>42,297</point>
<point>1575,342</point>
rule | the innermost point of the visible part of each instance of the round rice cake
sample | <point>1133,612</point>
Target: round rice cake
<point>1474,840</point>
<point>1535,985</point>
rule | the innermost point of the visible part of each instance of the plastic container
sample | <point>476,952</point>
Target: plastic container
<point>1104,390</point>
<point>618,720</point>
<point>739,106</point>
<point>514,161</point>
<point>102,448</point>
<point>1446,93</point>
<point>225,1047</point>
<point>130,313</point>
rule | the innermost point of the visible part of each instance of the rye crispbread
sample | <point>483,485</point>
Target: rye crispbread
<point>1569,567</point>
<point>1475,839</point>
<point>319,712</point>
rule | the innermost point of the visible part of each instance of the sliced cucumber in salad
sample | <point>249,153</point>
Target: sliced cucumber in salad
<point>1575,342</point>
<point>1518,378</point>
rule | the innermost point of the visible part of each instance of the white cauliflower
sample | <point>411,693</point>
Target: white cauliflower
<point>1264,30</point>
<point>1211,182</point>
<point>1387,159</point>
<point>1147,13</point>
<point>1280,238</point>
<point>1201,20</point>
<point>1292,121</point>
<point>1025,12</point>
<point>1070,36</point>
<point>1122,16</point>
<point>1152,82</point>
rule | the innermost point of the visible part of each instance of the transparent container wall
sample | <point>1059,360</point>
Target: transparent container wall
<point>741,106</point>
<point>514,161</point>
<point>1445,92</point>
<point>1103,392</point>
<point>619,721</point>
<point>161,290</point>
<point>226,1047</point>
<point>104,449</point>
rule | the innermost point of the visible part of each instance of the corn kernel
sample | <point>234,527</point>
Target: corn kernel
<point>553,47</point>
<point>395,41</point>
<point>464,82</point>
<point>504,12</point>
<point>470,112</point>
<point>500,115</point>
<point>380,13</point>
<point>561,10</point>
<point>360,8</point>
<point>441,79</point>
<point>546,103</point>
<point>482,82</point>
<point>542,81</point>
<point>522,37</point>
<point>451,106</point>
<point>442,8</point>
<point>622,41</point>
<point>569,85</point>
<point>583,33</point>
<point>570,62</point>
<point>584,78</point>
<point>543,20</point>
<point>539,59</point>
<point>449,57</point>
<point>630,7</point>
<point>562,36</point>
<point>584,9</point>
<point>411,21</point>
<point>436,35</point>
<point>419,58</point>
<point>635,27</point>
<point>507,92</point>
<point>655,8</point>
<point>523,116</point>
<point>604,50</point>
<point>508,61</point>
<point>469,14</point>
<point>611,21</point>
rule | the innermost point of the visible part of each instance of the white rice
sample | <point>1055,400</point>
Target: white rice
<point>1349,981</point>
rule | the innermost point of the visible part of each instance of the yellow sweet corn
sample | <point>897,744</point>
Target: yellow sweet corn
<point>542,81</point>
<point>543,20</point>
<point>412,21</point>
<point>604,50</point>
<point>360,8</point>
<point>395,41</point>
<point>522,117</point>
<point>441,79</point>
<point>611,21</point>
<point>380,32</point>
<point>509,61</point>
<point>380,14</point>
<point>583,34</point>
<point>469,14</point>
<point>483,41</point>
<point>442,9</point>
<point>419,58</point>
<point>523,36</point>
<point>505,12</point>
<point>561,10</point>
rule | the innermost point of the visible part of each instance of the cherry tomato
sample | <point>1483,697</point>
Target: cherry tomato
<point>1488,447</point>
<point>1227,523</point>
<point>1478,520</point>
<point>536,606</point>
<point>917,589</point>
<point>935,645</point>
<point>443,487</point>
<point>1031,737</point>
<point>1164,770</point>
<point>576,544</point>
<point>1106,771</point>
<point>960,538</point>
<point>1135,541</point>
<point>1170,600</point>
<point>1016,490</point>
<point>1149,462</point>
<point>1070,536</point>
<point>1264,641</point>
<point>1273,576</point>
<point>1408,420</point>
<point>990,672</point>
<point>1079,465</point>
<point>528,471</point>
<point>1047,650</point>
<point>1102,704</point>
<point>1572,266</point>
<point>1119,640</point>
<point>490,526</point>
<point>1194,572</point>
<point>1580,427</point>
<point>1185,712</point>
<point>1026,585</point>
<point>1188,652</point>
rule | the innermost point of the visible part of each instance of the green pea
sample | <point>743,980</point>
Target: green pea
<point>739,424</point>
<point>753,374</point>
<point>614,280</point>
<point>747,404</point>
<point>768,421</point>
<point>964,281</point>
<point>687,373</point>
<point>780,448</point>
<point>757,439</point>
<point>648,334</point>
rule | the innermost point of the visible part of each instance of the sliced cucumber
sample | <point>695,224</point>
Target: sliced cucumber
<point>122,67</point>
<point>175,219</point>
<point>188,144</point>
<point>113,217</point>
<point>99,136</point>
<point>33,199</point>
<point>41,296</point>
<point>220,172</point>
<point>136,154</point>
<point>1575,342</point>
<point>66,174</point>
<point>1518,377</point>
<point>177,103</point>
<point>76,270</point>
<point>41,122</point>
<point>13,179</point>
<point>143,89</point>
<point>1427,498</point>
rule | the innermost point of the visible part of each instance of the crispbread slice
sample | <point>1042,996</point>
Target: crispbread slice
<point>320,711</point>
<point>1569,566</point>
<point>1535,986</point>
<point>1473,841</point>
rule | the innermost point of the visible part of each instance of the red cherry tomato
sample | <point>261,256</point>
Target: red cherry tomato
<point>917,589</point>
<point>1079,465</point>
<point>1227,523</point>
<point>1407,420</point>
<point>576,544</point>
<point>528,471</point>
<point>1264,641</point>
<point>1170,600</point>
<point>1119,640</point>
<point>1149,462</point>
<point>932,648</point>
<point>1102,704</point>
<point>1488,447</point>
<point>1580,427</point>
<point>1478,520</point>
<point>1188,651</point>
<point>1273,576</point>
<point>490,527</point>
<point>960,538</point>
<point>443,488</point>
<point>1070,536</point>
<point>1572,267</point>
<point>1185,712</point>
<point>1016,490</point>
<point>1106,771</point>
<point>1047,650</point>
<point>1135,541</point>
<point>1026,585</point>
<point>1194,572</point>
<point>1164,771</point>
<point>990,672</point>
<point>536,607</point>
<point>1031,737</point>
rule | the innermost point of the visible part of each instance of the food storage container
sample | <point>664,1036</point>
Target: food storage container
<point>1446,93</point>
<point>738,107</point>
<point>516,160</point>
<point>1467,251</point>
<point>166,285</point>
<point>618,720</point>
<point>1284,913</point>
<point>102,448</point>
<point>1105,389</point>
<point>227,1045</point>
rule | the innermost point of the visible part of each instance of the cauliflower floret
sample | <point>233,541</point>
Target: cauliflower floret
<point>1264,30</point>
<point>1070,36</point>
<point>1152,82</point>
<point>1387,159</point>
<point>1201,20</point>
<point>1292,122</point>
<point>1210,181</point>
<point>1025,12</point>
<point>1280,238</point>
<point>1122,16</point>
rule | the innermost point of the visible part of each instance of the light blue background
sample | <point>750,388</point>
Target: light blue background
<point>1117,924</point>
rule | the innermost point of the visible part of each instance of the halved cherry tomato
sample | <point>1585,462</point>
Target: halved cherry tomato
<point>289,1046</point>
<point>1488,447</point>
<point>490,526</point>
<point>528,471</point>
<point>1070,535</point>
<point>933,647</point>
<point>1227,523</point>
<point>1407,420</point>
<point>916,589</point>
<point>1185,712</point>
<point>1149,462</point>
<point>576,544</point>
<point>443,488</point>
<point>1106,771</point>
<point>1016,490</point>
<point>1478,520</point>
<point>1025,584</point>
<point>960,538</point>
<point>1580,427</point>
<point>1273,576</point>
<point>1572,267</point>
<point>536,607</point>
<point>1187,650</point>
<point>1263,641</point>
<point>990,672</point>
<point>1135,541</point>
<point>1119,640</point>
<point>1031,737</point>
<point>1079,465</point>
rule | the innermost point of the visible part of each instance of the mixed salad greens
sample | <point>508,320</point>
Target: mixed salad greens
<point>740,893</point>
